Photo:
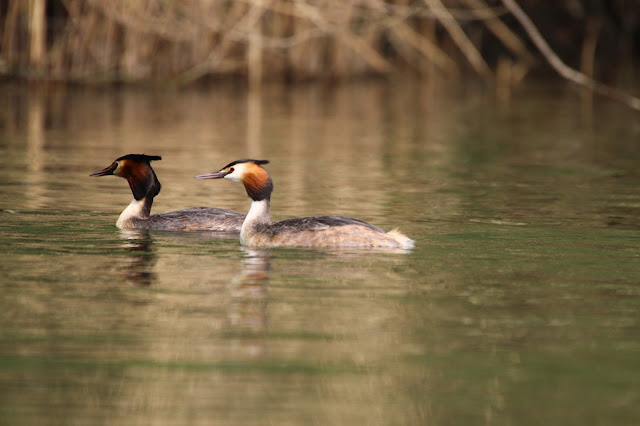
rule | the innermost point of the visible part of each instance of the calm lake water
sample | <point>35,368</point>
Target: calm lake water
<point>520,304</point>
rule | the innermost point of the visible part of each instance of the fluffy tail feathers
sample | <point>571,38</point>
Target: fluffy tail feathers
<point>403,241</point>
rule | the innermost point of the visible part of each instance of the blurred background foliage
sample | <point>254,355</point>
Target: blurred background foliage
<point>289,40</point>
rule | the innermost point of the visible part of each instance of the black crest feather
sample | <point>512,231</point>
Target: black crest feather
<point>246,160</point>
<point>140,157</point>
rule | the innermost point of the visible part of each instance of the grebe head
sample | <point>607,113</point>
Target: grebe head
<point>136,169</point>
<point>256,180</point>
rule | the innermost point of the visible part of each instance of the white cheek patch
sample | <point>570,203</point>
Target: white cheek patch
<point>233,177</point>
<point>238,171</point>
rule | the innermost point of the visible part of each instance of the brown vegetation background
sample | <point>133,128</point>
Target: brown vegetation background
<point>186,40</point>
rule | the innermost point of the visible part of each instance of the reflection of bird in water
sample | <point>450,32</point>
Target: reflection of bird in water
<point>144,184</point>
<point>248,291</point>
<point>317,231</point>
<point>139,268</point>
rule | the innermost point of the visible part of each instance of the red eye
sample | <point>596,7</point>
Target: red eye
<point>231,170</point>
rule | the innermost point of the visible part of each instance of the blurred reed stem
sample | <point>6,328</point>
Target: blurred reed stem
<point>292,40</point>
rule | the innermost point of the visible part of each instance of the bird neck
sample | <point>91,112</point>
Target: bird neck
<point>259,215</point>
<point>137,209</point>
<point>142,181</point>
<point>258,184</point>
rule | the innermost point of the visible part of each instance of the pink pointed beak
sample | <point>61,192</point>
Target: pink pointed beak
<point>213,175</point>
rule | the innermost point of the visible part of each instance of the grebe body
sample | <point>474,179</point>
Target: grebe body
<point>316,231</point>
<point>144,184</point>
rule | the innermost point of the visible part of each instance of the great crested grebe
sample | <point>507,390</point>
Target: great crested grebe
<point>144,184</point>
<point>317,231</point>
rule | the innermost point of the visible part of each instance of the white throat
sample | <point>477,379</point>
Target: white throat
<point>135,210</point>
<point>259,214</point>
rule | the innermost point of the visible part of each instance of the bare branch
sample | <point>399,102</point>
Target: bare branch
<point>370,55</point>
<point>460,38</point>
<point>563,69</point>
<point>500,30</point>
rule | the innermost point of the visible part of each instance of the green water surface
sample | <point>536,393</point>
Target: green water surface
<point>519,305</point>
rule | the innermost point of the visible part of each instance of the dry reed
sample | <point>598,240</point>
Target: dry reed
<point>185,40</point>
<point>123,40</point>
